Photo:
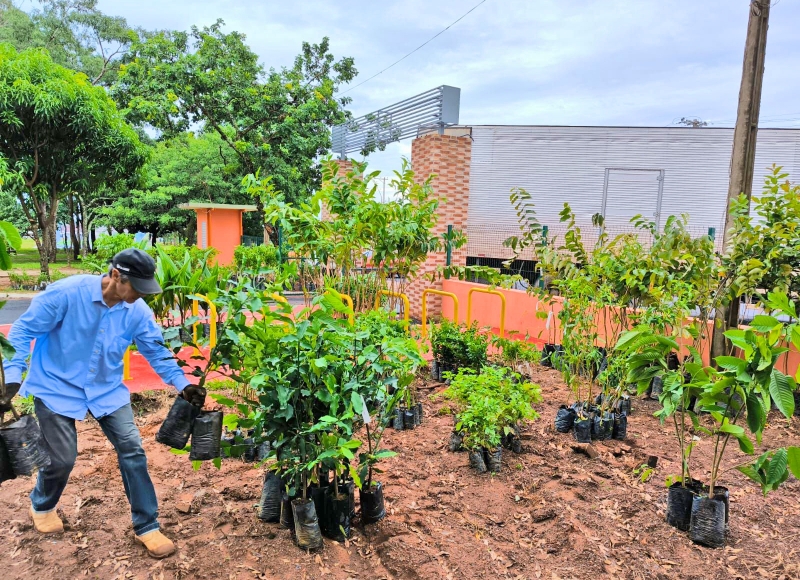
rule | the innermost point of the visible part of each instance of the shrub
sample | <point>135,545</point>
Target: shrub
<point>21,281</point>
<point>459,345</point>
<point>177,252</point>
<point>255,258</point>
<point>491,404</point>
<point>362,288</point>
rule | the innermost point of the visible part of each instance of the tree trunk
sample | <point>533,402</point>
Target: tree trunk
<point>52,234</point>
<point>73,228</point>
<point>44,248</point>
<point>84,228</point>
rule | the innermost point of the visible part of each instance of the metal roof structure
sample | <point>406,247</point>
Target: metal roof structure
<point>434,109</point>
<point>203,205</point>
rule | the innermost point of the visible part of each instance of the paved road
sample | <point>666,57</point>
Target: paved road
<point>13,309</point>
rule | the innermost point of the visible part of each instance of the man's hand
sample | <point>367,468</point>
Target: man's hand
<point>195,395</point>
<point>5,401</point>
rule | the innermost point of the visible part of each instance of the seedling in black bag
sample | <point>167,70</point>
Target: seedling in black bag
<point>22,449</point>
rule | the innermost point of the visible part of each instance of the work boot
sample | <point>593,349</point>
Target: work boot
<point>48,523</point>
<point>157,544</point>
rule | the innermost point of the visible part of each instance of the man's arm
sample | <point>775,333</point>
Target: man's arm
<point>45,312</point>
<point>149,341</point>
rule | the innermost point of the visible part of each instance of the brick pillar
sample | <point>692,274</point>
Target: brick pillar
<point>448,157</point>
<point>345,165</point>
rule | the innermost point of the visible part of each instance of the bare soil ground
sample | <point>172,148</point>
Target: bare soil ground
<point>552,513</point>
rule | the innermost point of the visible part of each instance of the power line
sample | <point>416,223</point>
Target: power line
<point>416,49</point>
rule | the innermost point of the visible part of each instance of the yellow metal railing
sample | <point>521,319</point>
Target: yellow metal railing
<point>126,365</point>
<point>403,297</point>
<point>425,306</point>
<point>502,306</point>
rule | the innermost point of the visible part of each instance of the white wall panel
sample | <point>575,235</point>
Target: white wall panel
<point>568,164</point>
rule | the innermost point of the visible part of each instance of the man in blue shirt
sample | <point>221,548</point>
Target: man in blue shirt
<point>82,326</point>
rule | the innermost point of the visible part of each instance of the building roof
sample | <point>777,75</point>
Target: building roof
<point>202,205</point>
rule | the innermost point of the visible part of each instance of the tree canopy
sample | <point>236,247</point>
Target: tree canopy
<point>274,122</point>
<point>58,134</point>
<point>75,33</point>
<point>182,169</point>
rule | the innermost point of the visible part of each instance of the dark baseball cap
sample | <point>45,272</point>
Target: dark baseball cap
<point>140,268</point>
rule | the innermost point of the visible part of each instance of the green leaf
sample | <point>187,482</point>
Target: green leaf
<point>11,235</point>
<point>750,472</point>
<point>781,393</point>
<point>223,400</point>
<point>355,476</point>
<point>231,421</point>
<point>6,348</point>
<point>793,460</point>
<point>196,465</point>
<point>731,363</point>
<point>764,323</point>
<point>756,418</point>
<point>321,363</point>
<point>5,259</point>
<point>777,466</point>
<point>734,430</point>
<point>745,444</point>
<point>358,402</point>
<point>217,462</point>
<point>385,453</point>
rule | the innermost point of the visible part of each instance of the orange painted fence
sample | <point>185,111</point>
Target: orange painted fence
<point>526,314</point>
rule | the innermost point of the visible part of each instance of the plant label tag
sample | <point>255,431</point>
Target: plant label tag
<point>549,317</point>
<point>364,412</point>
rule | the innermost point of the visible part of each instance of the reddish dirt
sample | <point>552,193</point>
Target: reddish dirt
<point>552,513</point>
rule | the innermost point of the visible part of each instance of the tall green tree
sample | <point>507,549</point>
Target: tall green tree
<point>11,211</point>
<point>182,169</point>
<point>75,33</point>
<point>274,122</point>
<point>58,134</point>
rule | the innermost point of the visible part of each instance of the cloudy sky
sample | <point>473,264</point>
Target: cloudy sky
<point>554,62</point>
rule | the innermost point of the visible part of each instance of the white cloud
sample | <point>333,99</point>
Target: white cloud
<point>582,62</point>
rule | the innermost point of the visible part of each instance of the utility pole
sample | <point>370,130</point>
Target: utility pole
<point>744,146</point>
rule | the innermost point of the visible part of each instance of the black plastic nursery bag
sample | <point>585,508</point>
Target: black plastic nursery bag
<point>177,427</point>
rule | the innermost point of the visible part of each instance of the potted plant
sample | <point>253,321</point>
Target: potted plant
<point>645,354</point>
<point>489,408</point>
<point>743,386</point>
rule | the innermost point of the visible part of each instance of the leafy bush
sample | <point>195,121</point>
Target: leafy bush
<point>106,247</point>
<point>181,278</point>
<point>362,288</point>
<point>491,404</point>
<point>21,280</point>
<point>379,323</point>
<point>255,258</point>
<point>177,252</point>
<point>459,345</point>
<point>515,351</point>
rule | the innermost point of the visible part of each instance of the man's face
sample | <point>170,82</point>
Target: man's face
<point>124,290</point>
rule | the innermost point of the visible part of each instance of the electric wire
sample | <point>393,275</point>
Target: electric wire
<point>416,49</point>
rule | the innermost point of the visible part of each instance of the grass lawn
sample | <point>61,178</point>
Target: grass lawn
<point>27,258</point>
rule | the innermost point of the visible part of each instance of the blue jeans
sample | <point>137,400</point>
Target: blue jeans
<point>61,442</point>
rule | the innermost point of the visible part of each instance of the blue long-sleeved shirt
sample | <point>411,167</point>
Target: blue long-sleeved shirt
<point>76,364</point>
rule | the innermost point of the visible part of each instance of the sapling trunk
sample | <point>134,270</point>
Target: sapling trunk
<point>717,458</point>
<point>369,468</point>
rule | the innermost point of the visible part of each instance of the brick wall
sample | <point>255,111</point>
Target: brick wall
<point>448,157</point>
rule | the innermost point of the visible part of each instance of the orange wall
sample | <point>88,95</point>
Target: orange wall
<point>224,231</point>
<point>521,316</point>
